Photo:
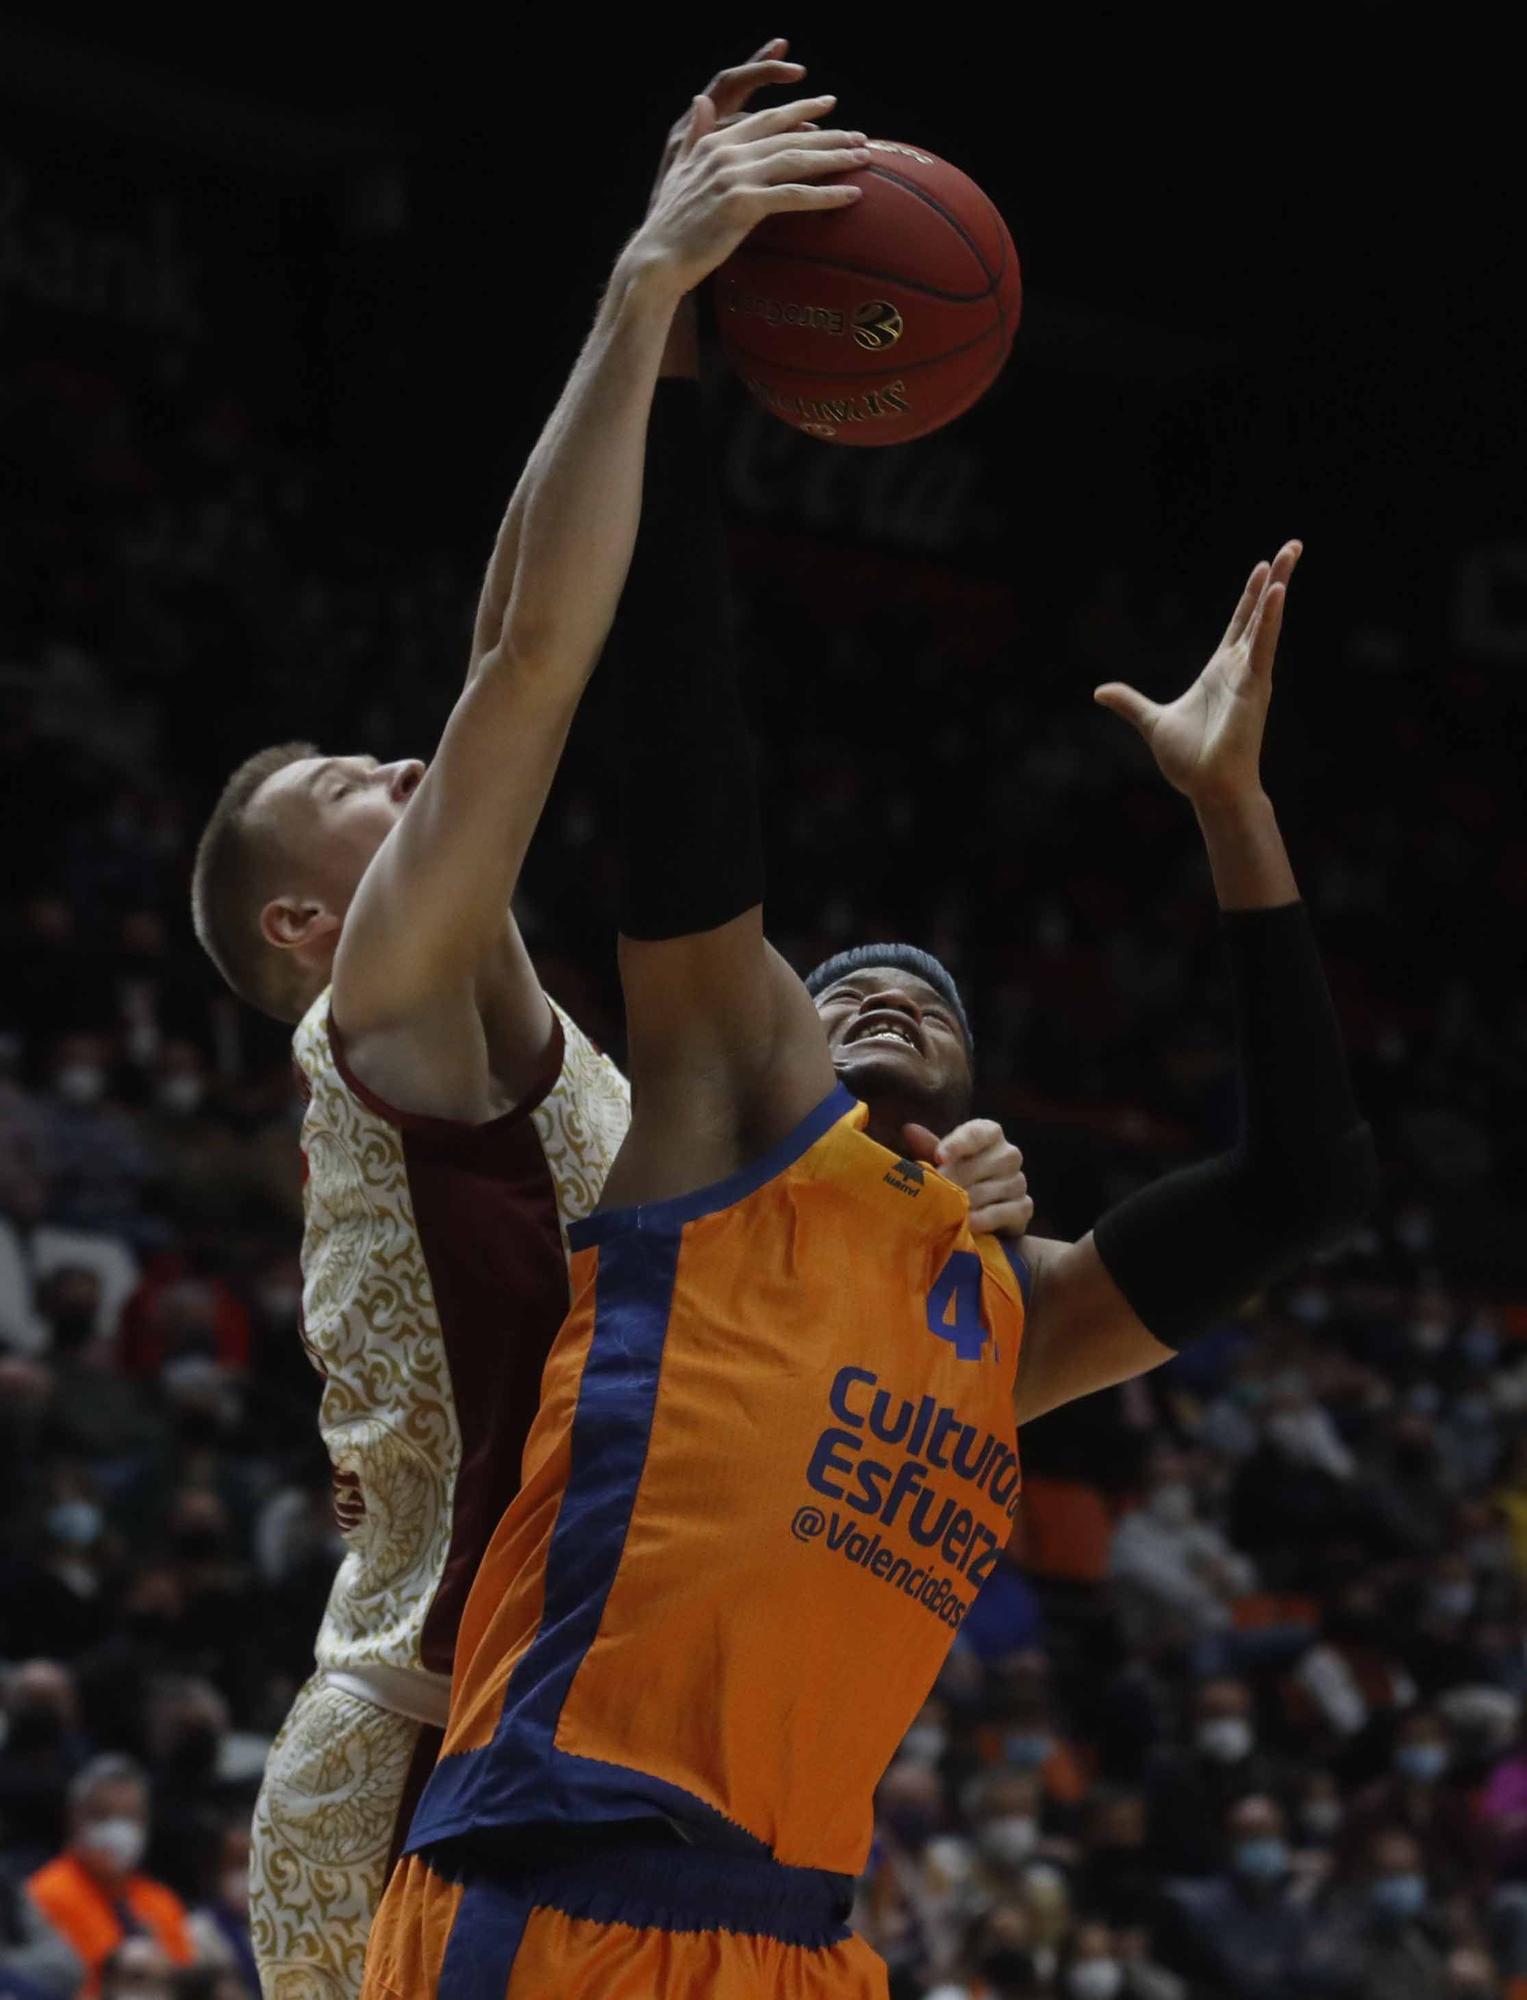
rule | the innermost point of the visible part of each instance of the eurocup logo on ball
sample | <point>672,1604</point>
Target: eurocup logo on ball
<point>881,322</point>
<point>877,324</point>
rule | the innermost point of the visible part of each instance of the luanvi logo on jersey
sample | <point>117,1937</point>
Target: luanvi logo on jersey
<point>906,1177</point>
<point>877,324</point>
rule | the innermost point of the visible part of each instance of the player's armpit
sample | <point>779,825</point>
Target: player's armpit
<point>727,1056</point>
<point>1080,1333</point>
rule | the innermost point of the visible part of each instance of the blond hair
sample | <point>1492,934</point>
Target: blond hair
<point>231,882</point>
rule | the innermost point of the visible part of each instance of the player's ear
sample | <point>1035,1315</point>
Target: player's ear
<point>297,923</point>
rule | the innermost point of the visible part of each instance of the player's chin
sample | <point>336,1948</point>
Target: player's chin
<point>870,1073</point>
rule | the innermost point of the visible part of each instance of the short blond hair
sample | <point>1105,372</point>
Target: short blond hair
<point>232,880</point>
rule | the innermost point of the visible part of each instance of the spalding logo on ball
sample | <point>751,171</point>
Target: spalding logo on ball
<point>880,322</point>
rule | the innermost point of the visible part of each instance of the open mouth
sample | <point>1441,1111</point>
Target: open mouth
<point>884,1031</point>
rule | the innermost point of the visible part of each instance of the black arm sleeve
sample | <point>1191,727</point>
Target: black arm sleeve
<point>691,843</point>
<point>1303,1172</point>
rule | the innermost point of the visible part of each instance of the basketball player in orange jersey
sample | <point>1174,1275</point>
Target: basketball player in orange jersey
<point>456,1120</point>
<point>776,1449</point>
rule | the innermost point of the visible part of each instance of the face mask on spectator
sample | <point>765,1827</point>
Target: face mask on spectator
<point>924,1743</point>
<point>1026,1749</point>
<point>1399,1898</point>
<point>119,1843</point>
<point>1452,1600</point>
<point>281,1303</point>
<point>1321,1818</point>
<point>181,1094</point>
<point>1008,1839</point>
<point>1225,1738</point>
<point>234,1890</point>
<point>1413,1231</point>
<point>1095,1979</point>
<point>1423,1763</point>
<point>1428,1335</point>
<point>80,1083</point>
<point>1480,1344</point>
<point>1172,1504</point>
<point>1310,1305</point>
<point>75,1523</point>
<point>1263,1858</point>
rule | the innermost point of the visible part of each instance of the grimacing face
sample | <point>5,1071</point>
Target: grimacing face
<point>892,1035</point>
<point>334,813</point>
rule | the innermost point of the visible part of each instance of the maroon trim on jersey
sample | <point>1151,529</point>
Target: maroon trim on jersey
<point>493,1247</point>
<point>485,1203</point>
<point>479,1142</point>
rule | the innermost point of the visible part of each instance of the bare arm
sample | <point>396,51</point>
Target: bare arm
<point>434,897</point>
<point>433,900</point>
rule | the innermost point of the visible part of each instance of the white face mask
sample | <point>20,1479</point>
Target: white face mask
<point>1226,1738</point>
<point>1009,1839</point>
<point>924,1743</point>
<point>80,1083</point>
<point>181,1093</point>
<point>118,1843</point>
<point>1095,1979</point>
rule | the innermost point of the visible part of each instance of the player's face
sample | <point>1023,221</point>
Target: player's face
<point>335,812</point>
<point>892,1035</point>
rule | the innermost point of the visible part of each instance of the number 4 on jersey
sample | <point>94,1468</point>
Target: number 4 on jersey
<point>954,1305</point>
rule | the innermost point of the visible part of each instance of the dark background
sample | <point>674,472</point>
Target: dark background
<point>282,307</point>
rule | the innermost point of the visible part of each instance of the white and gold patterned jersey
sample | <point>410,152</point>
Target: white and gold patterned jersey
<point>434,1266</point>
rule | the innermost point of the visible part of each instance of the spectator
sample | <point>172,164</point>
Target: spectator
<point>1102,1964</point>
<point>35,1962</point>
<point>1378,1943</point>
<point>42,1750</point>
<point>1417,1797</point>
<point>1242,1931</point>
<point>1171,1568</point>
<point>1190,1788</point>
<point>139,1969</point>
<point>220,1924</point>
<point>1119,1875</point>
<point>997,1962</point>
<point>92,1894</point>
<point>1350,1684</point>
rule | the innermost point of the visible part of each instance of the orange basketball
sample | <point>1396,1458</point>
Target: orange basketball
<point>880,322</point>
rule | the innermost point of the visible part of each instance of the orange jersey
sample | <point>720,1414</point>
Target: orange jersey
<point>775,1459</point>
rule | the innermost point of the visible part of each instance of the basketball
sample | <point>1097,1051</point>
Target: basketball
<point>880,322</point>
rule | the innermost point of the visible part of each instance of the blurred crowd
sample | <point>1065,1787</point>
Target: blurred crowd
<point>1242,1714</point>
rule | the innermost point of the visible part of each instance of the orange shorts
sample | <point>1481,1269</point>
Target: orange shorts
<point>645,1923</point>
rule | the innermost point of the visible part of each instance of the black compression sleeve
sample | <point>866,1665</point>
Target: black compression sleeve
<point>1192,1246</point>
<point>691,845</point>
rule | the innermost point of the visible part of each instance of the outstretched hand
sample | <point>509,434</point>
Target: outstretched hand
<point>1208,742</point>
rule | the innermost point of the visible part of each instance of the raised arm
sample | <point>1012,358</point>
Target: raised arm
<point>1168,1260</point>
<point>433,901</point>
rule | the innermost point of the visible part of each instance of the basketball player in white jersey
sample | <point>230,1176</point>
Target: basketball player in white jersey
<point>456,1119</point>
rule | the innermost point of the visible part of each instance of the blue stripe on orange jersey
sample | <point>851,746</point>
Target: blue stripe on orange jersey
<point>774,1460</point>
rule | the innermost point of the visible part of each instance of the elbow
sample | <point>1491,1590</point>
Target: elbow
<point>531,655</point>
